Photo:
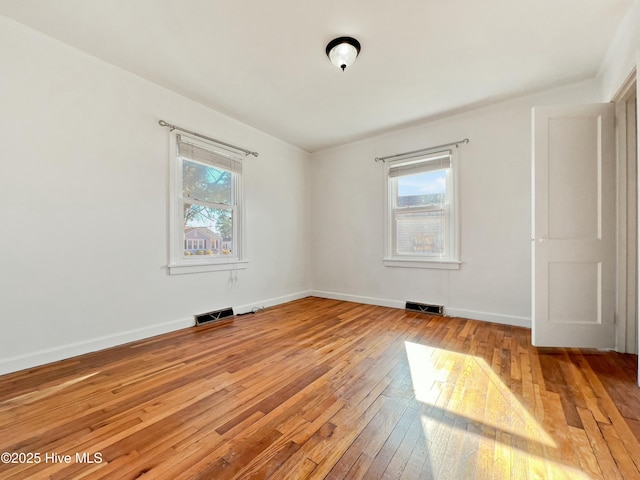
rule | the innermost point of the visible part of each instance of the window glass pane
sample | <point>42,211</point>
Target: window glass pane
<point>207,231</point>
<point>420,233</point>
<point>422,189</point>
<point>206,183</point>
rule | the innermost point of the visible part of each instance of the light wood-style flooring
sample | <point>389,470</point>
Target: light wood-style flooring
<point>320,388</point>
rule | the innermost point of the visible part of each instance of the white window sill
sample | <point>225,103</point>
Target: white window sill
<point>178,269</point>
<point>413,262</point>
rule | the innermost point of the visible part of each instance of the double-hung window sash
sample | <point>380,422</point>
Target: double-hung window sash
<point>208,201</point>
<point>420,206</point>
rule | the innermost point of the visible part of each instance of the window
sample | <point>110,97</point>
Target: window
<point>422,212</point>
<point>194,244</point>
<point>206,205</point>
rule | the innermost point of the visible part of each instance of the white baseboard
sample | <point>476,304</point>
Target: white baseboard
<point>42,357</point>
<point>382,302</point>
<point>452,312</point>
<point>489,317</point>
<point>271,302</point>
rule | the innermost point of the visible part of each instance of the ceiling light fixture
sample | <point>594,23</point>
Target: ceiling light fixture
<point>343,51</point>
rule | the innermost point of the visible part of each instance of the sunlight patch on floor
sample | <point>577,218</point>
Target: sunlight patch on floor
<point>464,396</point>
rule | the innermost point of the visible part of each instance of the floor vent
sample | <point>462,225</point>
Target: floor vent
<point>425,308</point>
<point>215,316</point>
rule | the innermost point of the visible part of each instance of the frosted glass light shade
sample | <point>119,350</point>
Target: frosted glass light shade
<point>343,51</point>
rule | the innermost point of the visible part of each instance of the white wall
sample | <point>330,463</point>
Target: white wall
<point>494,282</point>
<point>84,207</point>
<point>622,55</point>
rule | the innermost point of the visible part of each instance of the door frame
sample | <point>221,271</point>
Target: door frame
<point>628,206</point>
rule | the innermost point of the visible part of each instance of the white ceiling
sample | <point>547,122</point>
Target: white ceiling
<point>263,62</point>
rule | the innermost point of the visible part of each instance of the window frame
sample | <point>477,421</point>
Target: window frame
<point>449,261</point>
<point>178,262</point>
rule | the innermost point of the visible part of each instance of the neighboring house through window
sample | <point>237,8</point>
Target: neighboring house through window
<point>422,220</point>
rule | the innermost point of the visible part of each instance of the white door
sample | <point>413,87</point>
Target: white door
<point>574,226</point>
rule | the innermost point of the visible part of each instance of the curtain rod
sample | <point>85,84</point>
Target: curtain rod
<point>162,123</point>
<point>422,150</point>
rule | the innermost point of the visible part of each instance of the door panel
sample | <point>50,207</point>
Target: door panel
<point>573,190</point>
<point>574,222</point>
<point>581,305</point>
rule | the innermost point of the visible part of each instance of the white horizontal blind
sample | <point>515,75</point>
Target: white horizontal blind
<point>198,151</point>
<point>429,163</point>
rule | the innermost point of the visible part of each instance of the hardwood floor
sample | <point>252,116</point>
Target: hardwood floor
<point>326,389</point>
